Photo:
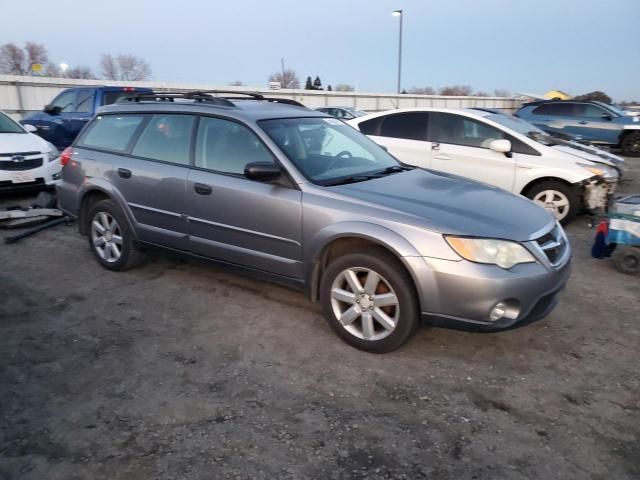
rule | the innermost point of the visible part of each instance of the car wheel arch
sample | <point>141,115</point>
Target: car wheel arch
<point>89,198</point>
<point>348,242</point>
<point>540,180</point>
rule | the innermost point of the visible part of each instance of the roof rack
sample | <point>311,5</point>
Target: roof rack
<point>205,96</point>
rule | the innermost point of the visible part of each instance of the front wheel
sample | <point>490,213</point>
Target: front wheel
<point>557,198</point>
<point>369,300</point>
<point>631,145</point>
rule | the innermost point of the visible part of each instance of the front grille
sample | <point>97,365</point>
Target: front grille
<point>26,164</point>
<point>553,245</point>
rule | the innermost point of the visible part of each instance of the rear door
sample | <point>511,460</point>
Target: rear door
<point>460,145</point>
<point>403,134</point>
<point>151,173</point>
<point>594,123</point>
<point>232,218</point>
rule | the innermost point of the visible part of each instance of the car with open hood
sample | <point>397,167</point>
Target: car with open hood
<point>293,195</point>
<point>501,150</point>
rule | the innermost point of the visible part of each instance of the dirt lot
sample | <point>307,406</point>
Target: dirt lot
<point>180,370</point>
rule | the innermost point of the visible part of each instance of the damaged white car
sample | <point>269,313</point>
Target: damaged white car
<point>564,177</point>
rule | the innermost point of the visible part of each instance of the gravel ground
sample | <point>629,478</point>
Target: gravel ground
<point>181,370</point>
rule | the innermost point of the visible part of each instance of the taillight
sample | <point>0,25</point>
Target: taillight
<point>129,89</point>
<point>65,156</point>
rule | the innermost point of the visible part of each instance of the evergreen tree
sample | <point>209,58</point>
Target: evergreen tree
<point>308,85</point>
<point>317,84</point>
<point>329,89</point>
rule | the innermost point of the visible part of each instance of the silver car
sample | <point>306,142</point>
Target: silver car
<point>303,199</point>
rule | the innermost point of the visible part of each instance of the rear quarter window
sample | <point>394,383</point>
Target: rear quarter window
<point>110,132</point>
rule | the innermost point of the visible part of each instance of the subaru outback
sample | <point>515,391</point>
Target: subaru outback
<point>304,199</point>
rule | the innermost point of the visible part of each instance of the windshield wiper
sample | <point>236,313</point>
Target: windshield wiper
<point>351,179</point>
<point>395,169</point>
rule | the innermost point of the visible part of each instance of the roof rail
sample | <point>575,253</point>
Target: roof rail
<point>206,96</point>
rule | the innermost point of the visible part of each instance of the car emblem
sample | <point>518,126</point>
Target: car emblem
<point>17,159</point>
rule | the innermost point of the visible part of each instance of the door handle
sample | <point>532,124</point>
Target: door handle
<point>124,173</point>
<point>582,122</point>
<point>435,146</point>
<point>202,189</point>
<point>443,157</point>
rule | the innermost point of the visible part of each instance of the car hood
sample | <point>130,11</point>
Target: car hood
<point>450,204</point>
<point>22,142</point>
<point>592,154</point>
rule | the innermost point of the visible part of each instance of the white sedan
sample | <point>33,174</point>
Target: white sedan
<point>26,160</point>
<point>501,150</point>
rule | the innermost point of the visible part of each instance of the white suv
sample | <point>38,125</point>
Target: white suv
<point>26,160</point>
<point>500,150</point>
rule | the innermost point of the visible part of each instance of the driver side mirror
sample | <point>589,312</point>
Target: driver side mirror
<point>501,146</point>
<point>606,116</point>
<point>262,171</point>
<point>52,109</point>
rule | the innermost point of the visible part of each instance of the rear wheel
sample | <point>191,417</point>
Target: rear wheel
<point>631,145</point>
<point>627,259</point>
<point>110,238</point>
<point>369,300</point>
<point>557,198</point>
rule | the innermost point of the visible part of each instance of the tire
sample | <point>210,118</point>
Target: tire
<point>631,145</point>
<point>627,259</point>
<point>112,244</point>
<point>553,195</point>
<point>363,324</point>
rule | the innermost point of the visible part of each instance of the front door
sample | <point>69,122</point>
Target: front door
<point>460,145</point>
<point>234,219</point>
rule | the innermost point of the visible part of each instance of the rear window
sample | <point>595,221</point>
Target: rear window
<point>110,132</point>
<point>166,138</point>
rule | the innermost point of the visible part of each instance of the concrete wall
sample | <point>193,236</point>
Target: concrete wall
<point>20,95</point>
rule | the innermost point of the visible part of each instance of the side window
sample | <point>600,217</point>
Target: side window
<point>166,138</point>
<point>110,132</point>
<point>371,127</point>
<point>65,101</point>
<point>409,125</point>
<point>555,109</point>
<point>590,111</point>
<point>84,102</point>
<point>460,130</point>
<point>227,147</point>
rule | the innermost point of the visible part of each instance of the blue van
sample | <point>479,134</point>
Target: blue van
<point>61,120</point>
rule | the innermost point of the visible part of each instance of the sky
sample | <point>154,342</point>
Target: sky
<point>519,45</point>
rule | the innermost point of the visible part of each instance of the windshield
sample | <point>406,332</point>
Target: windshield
<point>328,152</point>
<point>523,127</point>
<point>615,109</point>
<point>7,125</point>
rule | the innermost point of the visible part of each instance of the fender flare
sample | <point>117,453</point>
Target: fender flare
<point>107,188</point>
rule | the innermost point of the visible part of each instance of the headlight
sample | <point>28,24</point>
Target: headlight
<point>53,152</point>
<point>603,171</point>
<point>503,253</point>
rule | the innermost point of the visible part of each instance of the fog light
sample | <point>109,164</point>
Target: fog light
<point>498,311</point>
<point>509,309</point>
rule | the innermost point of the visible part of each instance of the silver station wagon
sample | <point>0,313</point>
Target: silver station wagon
<point>303,199</point>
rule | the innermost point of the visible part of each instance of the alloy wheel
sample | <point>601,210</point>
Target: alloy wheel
<point>364,303</point>
<point>554,202</point>
<point>106,235</point>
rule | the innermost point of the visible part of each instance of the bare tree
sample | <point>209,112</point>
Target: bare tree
<point>480,93</point>
<point>288,80</point>
<point>344,87</point>
<point>422,90</point>
<point>237,83</point>
<point>457,90</point>
<point>18,61</point>
<point>124,67</point>
<point>80,72</point>
<point>501,92</point>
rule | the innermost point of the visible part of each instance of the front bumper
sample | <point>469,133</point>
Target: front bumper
<point>462,294</point>
<point>44,176</point>
<point>598,193</point>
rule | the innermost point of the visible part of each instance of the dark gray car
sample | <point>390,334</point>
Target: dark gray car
<point>302,198</point>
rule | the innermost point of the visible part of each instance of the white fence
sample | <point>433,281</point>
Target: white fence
<point>20,95</point>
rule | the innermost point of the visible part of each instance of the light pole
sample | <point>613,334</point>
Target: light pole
<point>64,67</point>
<point>399,13</point>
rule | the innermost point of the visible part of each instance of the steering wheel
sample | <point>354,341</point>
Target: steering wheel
<point>338,156</point>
